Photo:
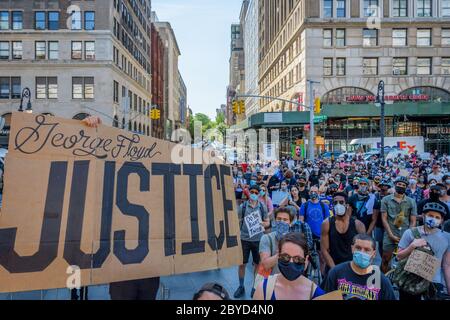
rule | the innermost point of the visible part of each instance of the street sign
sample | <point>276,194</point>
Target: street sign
<point>320,119</point>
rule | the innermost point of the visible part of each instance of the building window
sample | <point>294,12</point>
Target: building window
<point>445,8</point>
<point>83,88</point>
<point>77,50</point>
<point>89,20</point>
<point>41,88</point>
<point>424,66</point>
<point>52,83</point>
<point>17,20</point>
<point>424,37</point>
<point>371,8</point>
<point>341,8</point>
<point>340,66</point>
<point>89,50</point>
<point>340,37</point>
<point>16,88</point>
<point>4,87</point>
<point>17,50</point>
<point>445,36</point>
<point>399,37</point>
<point>400,8</point>
<point>400,66</point>
<point>76,20</point>
<point>370,66</point>
<point>116,91</point>
<point>370,37</point>
<point>39,20</point>
<point>4,20</point>
<point>53,50</point>
<point>445,66</point>
<point>328,66</point>
<point>424,8</point>
<point>327,38</point>
<point>4,50</point>
<point>53,20</point>
<point>327,8</point>
<point>40,48</point>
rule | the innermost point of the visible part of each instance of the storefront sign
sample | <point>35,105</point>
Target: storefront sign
<point>110,204</point>
<point>414,97</point>
<point>273,117</point>
<point>438,130</point>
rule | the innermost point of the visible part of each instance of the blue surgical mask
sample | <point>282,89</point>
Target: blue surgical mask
<point>262,193</point>
<point>361,259</point>
<point>281,228</point>
<point>254,197</point>
<point>432,222</point>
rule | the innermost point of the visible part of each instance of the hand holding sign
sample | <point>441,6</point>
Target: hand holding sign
<point>254,225</point>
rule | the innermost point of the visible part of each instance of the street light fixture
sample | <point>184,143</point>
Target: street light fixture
<point>26,94</point>
<point>382,103</point>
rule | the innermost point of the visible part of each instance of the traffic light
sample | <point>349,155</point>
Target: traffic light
<point>235,107</point>
<point>155,114</point>
<point>317,106</point>
<point>241,107</point>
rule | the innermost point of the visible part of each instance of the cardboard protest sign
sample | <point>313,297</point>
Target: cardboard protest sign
<point>253,222</point>
<point>332,296</point>
<point>422,264</point>
<point>110,203</point>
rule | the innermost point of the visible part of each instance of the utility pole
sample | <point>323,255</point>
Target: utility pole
<point>311,120</point>
<point>382,102</point>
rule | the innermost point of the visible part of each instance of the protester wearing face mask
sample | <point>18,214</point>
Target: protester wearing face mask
<point>436,174</point>
<point>295,201</point>
<point>338,233</point>
<point>314,177</point>
<point>363,206</point>
<point>436,193</point>
<point>414,191</point>
<point>290,283</point>
<point>384,190</point>
<point>250,243</point>
<point>429,235</point>
<point>264,198</point>
<point>303,191</point>
<point>353,278</point>
<point>399,213</point>
<point>268,246</point>
<point>239,185</point>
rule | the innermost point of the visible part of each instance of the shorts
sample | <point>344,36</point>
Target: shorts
<point>253,247</point>
<point>388,244</point>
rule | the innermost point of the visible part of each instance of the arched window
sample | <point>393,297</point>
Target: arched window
<point>140,128</point>
<point>429,94</point>
<point>123,123</point>
<point>346,95</point>
<point>81,116</point>
<point>135,126</point>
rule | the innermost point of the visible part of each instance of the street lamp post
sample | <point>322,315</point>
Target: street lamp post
<point>311,119</point>
<point>26,94</point>
<point>382,102</point>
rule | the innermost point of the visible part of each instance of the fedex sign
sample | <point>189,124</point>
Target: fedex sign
<point>402,145</point>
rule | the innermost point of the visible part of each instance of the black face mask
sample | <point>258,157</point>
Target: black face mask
<point>400,190</point>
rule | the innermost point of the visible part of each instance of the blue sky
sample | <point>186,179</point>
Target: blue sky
<point>202,28</point>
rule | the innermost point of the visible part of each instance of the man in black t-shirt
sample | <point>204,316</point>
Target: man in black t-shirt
<point>359,279</point>
<point>303,191</point>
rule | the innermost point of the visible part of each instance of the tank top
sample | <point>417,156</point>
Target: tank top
<point>341,244</point>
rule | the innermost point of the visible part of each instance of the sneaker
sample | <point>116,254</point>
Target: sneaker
<point>239,292</point>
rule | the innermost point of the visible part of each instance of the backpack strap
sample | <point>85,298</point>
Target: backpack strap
<point>306,208</point>
<point>271,281</point>
<point>244,209</point>
<point>322,205</point>
<point>271,245</point>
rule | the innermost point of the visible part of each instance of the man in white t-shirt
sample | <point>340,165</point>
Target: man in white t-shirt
<point>436,174</point>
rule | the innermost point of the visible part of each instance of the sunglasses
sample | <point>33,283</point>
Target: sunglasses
<point>285,258</point>
<point>339,202</point>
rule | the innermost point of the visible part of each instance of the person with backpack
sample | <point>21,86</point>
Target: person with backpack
<point>338,233</point>
<point>431,239</point>
<point>398,213</point>
<point>290,283</point>
<point>250,242</point>
<point>363,205</point>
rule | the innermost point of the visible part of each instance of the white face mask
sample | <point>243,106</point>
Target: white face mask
<point>340,210</point>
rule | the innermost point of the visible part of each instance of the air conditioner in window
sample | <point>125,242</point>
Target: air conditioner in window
<point>397,72</point>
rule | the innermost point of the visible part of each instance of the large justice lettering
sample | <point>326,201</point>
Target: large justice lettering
<point>195,246</point>
<point>138,254</point>
<point>51,226</point>
<point>227,207</point>
<point>215,242</point>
